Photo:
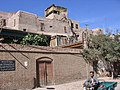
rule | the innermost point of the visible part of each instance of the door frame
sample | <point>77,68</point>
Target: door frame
<point>38,61</point>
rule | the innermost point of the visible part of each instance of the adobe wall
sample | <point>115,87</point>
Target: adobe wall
<point>5,15</point>
<point>68,65</point>
<point>28,21</point>
<point>13,21</point>
<point>32,23</point>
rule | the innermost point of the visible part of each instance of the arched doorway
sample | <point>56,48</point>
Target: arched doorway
<point>44,71</point>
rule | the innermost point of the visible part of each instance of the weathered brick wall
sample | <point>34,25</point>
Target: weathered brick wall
<point>68,65</point>
<point>28,21</point>
<point>57,26</point>
<point>22,77</point>
<point>5,15</point>
<point>32,23</point>
<point>13,21</point>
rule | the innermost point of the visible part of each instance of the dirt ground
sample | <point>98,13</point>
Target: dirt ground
<point>78,85</point>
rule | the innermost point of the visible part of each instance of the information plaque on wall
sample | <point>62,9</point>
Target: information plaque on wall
<point>7,65</point>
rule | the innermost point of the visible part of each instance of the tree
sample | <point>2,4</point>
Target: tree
<point>32,39</point>
<point>102,48</point>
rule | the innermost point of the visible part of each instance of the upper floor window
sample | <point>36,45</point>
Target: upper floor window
<point>53,11</point>
<point>56,12</point>
<point>2,22</point>
<point>72,25</point>
<point>42,26</point>
<point>76,26</point>
<point>65,30</point>
<point>24,30</point>
<point>51,26</point>
<point>14,22</point>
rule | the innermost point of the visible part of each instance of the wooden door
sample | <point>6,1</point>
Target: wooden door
<point>45,73</point>
<point>42,74</point>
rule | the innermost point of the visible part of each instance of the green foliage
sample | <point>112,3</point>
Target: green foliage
<point>32,39</point>
<point>117,37</point>
<point>101,47</point>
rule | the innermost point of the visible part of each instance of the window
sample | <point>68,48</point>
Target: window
<point>24,30</point>
<point>72,26</point>
<point>54,11</point>
<point>50,26</point>
<point>14,22</point>
<point>4,22</point>
<point>58,13</point>
<point>76,26</point>
<point>42,26</point>
<point>65,29</point>
<point>58,40</point>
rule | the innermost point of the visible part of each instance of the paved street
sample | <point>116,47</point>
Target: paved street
<point>118,87</point>
<point>76,85</point>
<point>68,86</point>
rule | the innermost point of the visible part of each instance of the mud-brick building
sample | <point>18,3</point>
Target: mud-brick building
<point>27,67</point>
<point>55,23</point>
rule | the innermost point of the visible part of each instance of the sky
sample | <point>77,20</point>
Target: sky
<point>96,13</point>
